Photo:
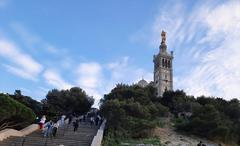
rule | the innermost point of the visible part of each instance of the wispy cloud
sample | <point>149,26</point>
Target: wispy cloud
<point>29,39</point>
<point>22,64</point>
<point>209,37</point>
<point>53,78</point>
<point>122,71</point>
<point>35,42</point>
<point>19,63</point>
<point>98,79</point>
<point>36,45</point>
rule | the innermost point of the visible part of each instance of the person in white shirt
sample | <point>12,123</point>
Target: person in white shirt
<point>54,130</point>
<point>62,120</point>
<point>42,122</point>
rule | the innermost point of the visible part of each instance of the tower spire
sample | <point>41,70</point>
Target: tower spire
<point>163,69</point>
<point>163,46</point>
<point>163,34</point>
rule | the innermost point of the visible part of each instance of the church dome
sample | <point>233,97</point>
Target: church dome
<point>142,83</point>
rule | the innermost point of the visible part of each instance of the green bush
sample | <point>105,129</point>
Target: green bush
<point>131,112</point>
<point>14,114</point>
<point>28,101</point>
<point>59,102</point>
<point>213,118</point>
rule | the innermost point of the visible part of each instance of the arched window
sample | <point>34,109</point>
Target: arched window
<point>162,62</point>
<point>165,63</point>
<point>169,64</point>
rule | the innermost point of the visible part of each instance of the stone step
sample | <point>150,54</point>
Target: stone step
<point>42,141</point>
<point>65,135</point>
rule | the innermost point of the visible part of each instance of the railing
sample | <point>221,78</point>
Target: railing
<point>97,140</point>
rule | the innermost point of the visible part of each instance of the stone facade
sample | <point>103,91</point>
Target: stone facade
<point>163,72</point>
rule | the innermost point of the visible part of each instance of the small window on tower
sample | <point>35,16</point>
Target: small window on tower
<point>165,76</point>
<point>165,63</point>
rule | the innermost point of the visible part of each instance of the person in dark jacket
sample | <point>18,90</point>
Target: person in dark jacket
<point>75,125</point>
<point>70,119</point>
<point>55,128</point>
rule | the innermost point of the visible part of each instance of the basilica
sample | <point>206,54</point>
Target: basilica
<point>163,72</point>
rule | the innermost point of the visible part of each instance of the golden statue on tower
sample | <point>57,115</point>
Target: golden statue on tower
<point>163,34</point>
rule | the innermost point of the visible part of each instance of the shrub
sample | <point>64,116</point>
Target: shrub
<point>14,114</point>
<point>131,112</point>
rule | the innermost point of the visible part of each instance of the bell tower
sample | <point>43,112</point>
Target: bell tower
<point>163,72</point>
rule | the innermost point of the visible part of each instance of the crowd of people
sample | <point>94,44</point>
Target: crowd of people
<point>50,128</point>
<point>95,120</point>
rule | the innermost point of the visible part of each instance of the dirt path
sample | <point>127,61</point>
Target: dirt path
<point>171,138</point>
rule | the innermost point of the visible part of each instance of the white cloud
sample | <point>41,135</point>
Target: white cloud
<point>209,37</point>
<point>98,79</point>
<point>221,65</point>
<point>224,19</point>
<point>90,78</point>
<point>53,78</point>
<point>22,64</point>
<point>90,74</point>
<point>123,71</point>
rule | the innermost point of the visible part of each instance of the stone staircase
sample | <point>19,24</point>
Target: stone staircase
<point>65,137</point>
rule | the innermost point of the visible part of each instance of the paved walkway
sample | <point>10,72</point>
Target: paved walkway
<point>65,136</point>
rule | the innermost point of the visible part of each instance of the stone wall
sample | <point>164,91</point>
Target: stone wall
<point>97,140</point>
<point>12,132</point>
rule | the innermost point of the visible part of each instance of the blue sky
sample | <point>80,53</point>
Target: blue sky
<point>95,44</point>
